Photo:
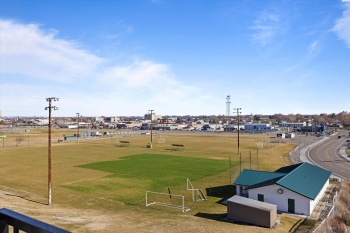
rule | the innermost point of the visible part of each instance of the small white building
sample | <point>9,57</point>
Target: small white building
<point>294,189</point>
<point>290,135</point>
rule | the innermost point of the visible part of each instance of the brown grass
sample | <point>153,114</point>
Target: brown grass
<point>23,172</point>
<point>340,220</point>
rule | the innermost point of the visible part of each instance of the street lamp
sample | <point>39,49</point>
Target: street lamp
<point>151,126</point>
<point>238,110</point>
<point>238,119</point>
<point>50,99</point>
<point>78,127</point>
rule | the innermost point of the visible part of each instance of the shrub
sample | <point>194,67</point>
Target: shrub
<point>341,219</point>
<point>346,218</point>
<point>336,225</point>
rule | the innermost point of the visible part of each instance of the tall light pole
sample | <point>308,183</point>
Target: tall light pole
<point>238,111</point>
<point>238,129</point>
<point>50,99</point>
<point>151,111</point>
<point>78,127</point>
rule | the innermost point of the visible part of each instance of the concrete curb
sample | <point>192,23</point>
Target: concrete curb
<point>343,154</point>
<point>304,153</point>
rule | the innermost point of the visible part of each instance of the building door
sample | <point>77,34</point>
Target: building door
<point>291,205</point>
<point>261,197</point>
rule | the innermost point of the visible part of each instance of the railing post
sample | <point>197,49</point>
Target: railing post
<point>4,228</point>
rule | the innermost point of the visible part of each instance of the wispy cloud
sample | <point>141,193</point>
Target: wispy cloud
<point>266,26</point>
<point>27,50</point>
<point>78,77</point>
<point>314,48</point>
<point>119,29</point>
<point>342,25</point>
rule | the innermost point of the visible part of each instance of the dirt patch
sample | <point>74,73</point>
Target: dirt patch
<point>74,220</point>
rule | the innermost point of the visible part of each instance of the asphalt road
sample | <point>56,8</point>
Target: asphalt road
<point>326,155</point>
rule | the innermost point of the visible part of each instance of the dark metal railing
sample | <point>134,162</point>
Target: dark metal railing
<point>20,222</point>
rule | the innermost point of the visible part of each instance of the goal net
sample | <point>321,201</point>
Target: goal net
<point>161,140</point>
<point>259,145</point>
<point>196,192</point>
<point>167,200</point>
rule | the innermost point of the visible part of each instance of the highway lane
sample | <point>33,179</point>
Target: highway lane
<point>326,155</point>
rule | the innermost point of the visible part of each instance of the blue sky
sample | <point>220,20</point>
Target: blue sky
<point>177,57</point>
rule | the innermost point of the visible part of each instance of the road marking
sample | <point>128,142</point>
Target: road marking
<point>335,168</point>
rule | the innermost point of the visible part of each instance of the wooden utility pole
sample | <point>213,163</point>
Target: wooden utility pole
<point>151,126</point>
<point>238,129</point>
<point>78,126</point>
<point>49,147</point>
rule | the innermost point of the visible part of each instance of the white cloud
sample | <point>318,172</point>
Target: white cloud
<point>266,27</point>
<point>138,73</point>
<point>342,25</point>
<point>40,64</point>
<point>119,29</point>
<point>314,48</point>
<point>148,82</point>
<point>29,51</point>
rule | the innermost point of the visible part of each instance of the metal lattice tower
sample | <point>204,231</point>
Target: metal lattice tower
<point>228,104</point>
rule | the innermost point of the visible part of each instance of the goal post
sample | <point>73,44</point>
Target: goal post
<point>199,192</point>
<point>166,199</point>
<point>259,145</point>
<point>161,139</point>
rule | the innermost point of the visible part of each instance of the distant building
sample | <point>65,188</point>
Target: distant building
<point>233,127</point>
<point>100,119</point>
<point>257,127</point>
<point>312,128</point>
<point>111,119</point>
<point>293,125</point>
<point>152,117</point>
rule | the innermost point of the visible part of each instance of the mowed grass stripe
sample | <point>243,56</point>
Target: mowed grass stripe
<point>145,172</point>
<point>159,168</point>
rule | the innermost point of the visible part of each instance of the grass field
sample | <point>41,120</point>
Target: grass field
<point>102,175</point>
<point>149,172</point>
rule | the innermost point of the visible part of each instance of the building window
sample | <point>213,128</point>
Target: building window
<point>261,197</point>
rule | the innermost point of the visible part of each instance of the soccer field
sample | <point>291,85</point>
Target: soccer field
<point>105,175</point>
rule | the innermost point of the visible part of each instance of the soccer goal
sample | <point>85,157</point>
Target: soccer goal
<point>196,192</point>
<point>259,145</point>
<point>161,139</point>
<point>167,200</point>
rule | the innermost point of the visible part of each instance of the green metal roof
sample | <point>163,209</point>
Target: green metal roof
<point>288,169</point>
<point>304,178</point>
<point>253,177</point>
